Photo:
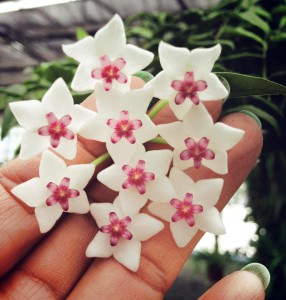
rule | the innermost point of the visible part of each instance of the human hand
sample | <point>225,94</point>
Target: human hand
<point>54,266</point>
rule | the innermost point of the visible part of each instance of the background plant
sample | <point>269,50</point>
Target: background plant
<point>253,37</point>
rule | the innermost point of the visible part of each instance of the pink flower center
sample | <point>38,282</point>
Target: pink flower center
<point>117,228</point>
<point>124,128</point>
<point>188,88</point>
<point>110,71</point>
<point>61,193</point>
<point>186,209</point>
<point>197,151</point>
<point>56,129</point>
<point>137,177</point>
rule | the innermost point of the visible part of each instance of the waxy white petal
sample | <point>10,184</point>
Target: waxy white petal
<point>224,137</point>
<point>100,246</point>
<point>131,201</point>
<point>32,144</point>
<point>215,89</point>
<point>182,164</point>
<point>52,168</point>
<point>79,175</point>
<point>47,216</point>
<point>174,60</point>
<point>67,148</point>
<point>100,212</point>
<point>161,85</point>
<point>83,80</point>
<point>162,210</point>
<point>158,161</point>
<point>202,60</point>
<point>182,232</point>
<point>80,204</point>
<point>82,51</point>
<point>143,227</point>
<point>160,190</point>
<point>137,59</point>
<point>110,39</point>
<point>180,110</point>
<point>58,99</point>
<point>32,192</point>
<point>128,253</point>
<point>210,221</point>
<point>219,164</point>
<point>29,114</point>
<point>80,115</point>
<point>173,133</point>
<point>113,177</point>
<point>147,132</point>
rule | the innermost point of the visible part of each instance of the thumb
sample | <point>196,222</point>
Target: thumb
<point>247,284</point>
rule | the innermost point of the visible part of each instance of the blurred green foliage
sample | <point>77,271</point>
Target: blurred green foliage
<point>253,36</point>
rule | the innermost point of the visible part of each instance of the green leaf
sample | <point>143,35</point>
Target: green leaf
<point>262,12</point>
<point>9,121</point>
<point>282,22</point>
<point>260,113</point>
<point>245,85</point>
<point>138,31</point>
<point>240,55</point>
<point>146,76</point>
<point>81,33</point>
<point>251,17</point>
<point>251,35</point>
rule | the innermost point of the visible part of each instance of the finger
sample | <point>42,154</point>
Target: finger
<point>238,285</point>
<point>18,226</point>
<point>161,259</point>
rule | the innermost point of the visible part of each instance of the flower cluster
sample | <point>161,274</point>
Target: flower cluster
<point>140,177</point>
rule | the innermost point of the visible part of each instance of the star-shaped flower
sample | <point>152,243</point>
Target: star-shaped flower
<point>192,208</point>
<point>54,122</point>
<point>121,121</point>
<point>106,58</point>
<point>198,141</point>
<point>140,178</point>
<point>58,189</point>
<point>120,234</point>
<point>186,78</point>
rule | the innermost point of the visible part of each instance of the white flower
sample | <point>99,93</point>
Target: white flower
<point>186,78</point>
<point>198,141</point>
<point>107,58</point>
<point>140,178</point>
<point>58,189</point>
<point>121,121</point>
<point>54,122</point>
<point>120,234</point>
<point>192,208</point>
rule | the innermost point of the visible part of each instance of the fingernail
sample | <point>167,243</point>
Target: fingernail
<point>226,85</point>
<point>253,116</point>
<point>144,75</point>
<point>260,271</point>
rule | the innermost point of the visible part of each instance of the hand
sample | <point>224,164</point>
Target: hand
<point>54,266</point>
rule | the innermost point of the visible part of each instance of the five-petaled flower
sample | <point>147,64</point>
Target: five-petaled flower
<point>120,233</point>
<point>186,78</point>
<point>140,178</point>
<point>198,141</point>
<point>192,208</point>
<point>106,58</point>
<point>54,122</point>
<point>121,121</point>
<point>58,188</point>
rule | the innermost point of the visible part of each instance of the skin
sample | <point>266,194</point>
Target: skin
<point>54,266</point>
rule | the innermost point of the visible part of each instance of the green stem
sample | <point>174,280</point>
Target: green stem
<point>101,159</point>
<point>158,140</point>
<point>157,108</point>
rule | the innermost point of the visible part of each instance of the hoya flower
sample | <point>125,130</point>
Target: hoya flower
<point>58,189</point>
<point>192,208</point>
<point>121,121</point>
<point>106,58</point>
<point>54,122</point>
<point>186,78</point>
<point>140,178</point>
<point>120,234</point>
<point>198,141</point>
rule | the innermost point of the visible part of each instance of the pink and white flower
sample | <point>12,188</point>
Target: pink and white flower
<point>120,234</point>
<point>58,189</point>
<point>142,177</point>
<point>121,121</point>
<point>192,208</point>
<point>197,141</point>
<point>54,122</point>
<point>107,58</point>
<point>186,78</point>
